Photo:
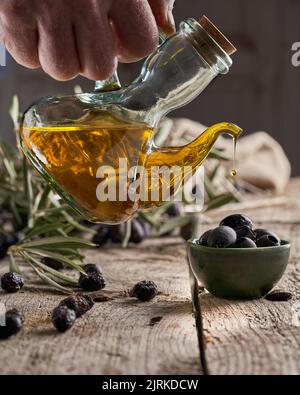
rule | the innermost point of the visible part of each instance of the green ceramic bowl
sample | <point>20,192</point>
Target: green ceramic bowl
<point>242,273</point>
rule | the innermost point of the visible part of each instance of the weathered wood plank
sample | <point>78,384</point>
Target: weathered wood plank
<point>114,337</point>
<point>259,337</point>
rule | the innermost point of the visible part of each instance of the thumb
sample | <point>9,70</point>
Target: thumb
<point>163,12</point>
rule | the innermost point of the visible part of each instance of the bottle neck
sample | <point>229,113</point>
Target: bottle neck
<point>176,73</point>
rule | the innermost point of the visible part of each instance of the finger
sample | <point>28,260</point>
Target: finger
<point>57,49</point>
<point>163,12</point>
<point>21,42</point>
<point>96,46</point>
<point>135,27</point>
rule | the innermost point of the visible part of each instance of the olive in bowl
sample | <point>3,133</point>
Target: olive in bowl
<point>248,268</point>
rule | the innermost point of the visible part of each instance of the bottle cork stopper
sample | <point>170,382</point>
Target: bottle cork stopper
<point>219,37</point>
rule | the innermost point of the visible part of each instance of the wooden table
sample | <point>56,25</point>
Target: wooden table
<point>124,336</point>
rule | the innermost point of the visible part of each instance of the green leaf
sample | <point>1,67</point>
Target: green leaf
<point>127,234</point>
<point>45,228</point>
<point>28,191</point>
<point>57,257</point>
<point>61,276</point>
<point>59,241</point>
<point>44,197</point>
<point>47,280</point>
<point>10,151</point>
<point>214,172</point>
<point>220,201</point>
<point>69,253</point>
<point>147,217</point>
<point>13,265</point>
<point>71,220</point>
<point>209,188</point>
<point>8,162</point>
<point>15,212</point>
<point>157,213</point>
<point>174,223</point>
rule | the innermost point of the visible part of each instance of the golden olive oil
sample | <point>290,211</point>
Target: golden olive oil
<point>70,157</point>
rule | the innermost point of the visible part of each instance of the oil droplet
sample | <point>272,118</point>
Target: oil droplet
<point>234,171</point>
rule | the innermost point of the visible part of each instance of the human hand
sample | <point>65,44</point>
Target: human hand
<point>87,37</point>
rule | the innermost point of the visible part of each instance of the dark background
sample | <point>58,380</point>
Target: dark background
<point>262,91</point>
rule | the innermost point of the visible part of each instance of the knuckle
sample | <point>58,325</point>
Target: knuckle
<point>60,71</point>
<point>146,44</point>
<point>23,54</point>
<point>100,71</point>
<point>14,8</point>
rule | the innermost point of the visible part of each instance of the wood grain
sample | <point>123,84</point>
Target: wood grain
<point>122,336</point>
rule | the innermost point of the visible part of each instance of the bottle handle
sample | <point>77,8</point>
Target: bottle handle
<point>112,83</point>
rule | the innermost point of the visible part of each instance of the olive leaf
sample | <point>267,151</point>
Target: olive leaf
<point>57,242</point>
<point>44,228</point>
<point>61,276</point>
<point>127,236</point>
<point>173,223</point>
<point>13,265</point>
<point>209,188</point>
<point>213,174</point>
<point>150,218</point>
<point>220,201</point>
<point>46,279</point>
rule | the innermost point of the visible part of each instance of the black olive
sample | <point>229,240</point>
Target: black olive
<point>245,242</point>
<point>63,318</point>
<point>144,291</point>
<point>137,232</point>
<point>80,304</point>
<point>14,320</point>
<point>174,210</point>
<point>235,221</point>
<point>203,240</point>
<point>92,282</point>
<point>3,251</point>
<point>245,231</point>
<point>264,232</point>
<point>279,296</point>
<point>221,237</point>
<point>117,233</point>
<point>102,235</point>
<point>53,263</point>
<point>91,267</point>
<point>89,300</point>
<point>186,231</point>
<point>146,226</point>
<point>11,239</point>
<point>11,282</point>
<point>268,241</point>
<point>3,246</point>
